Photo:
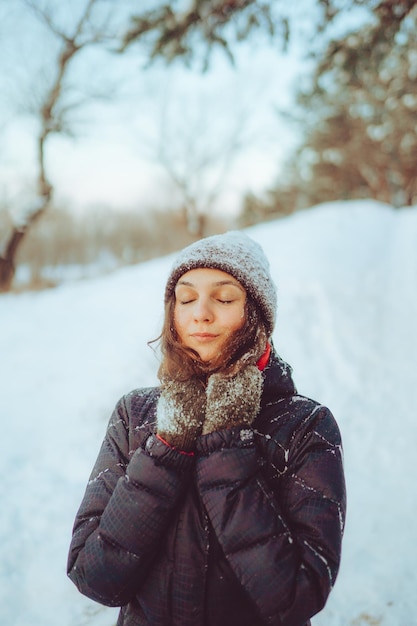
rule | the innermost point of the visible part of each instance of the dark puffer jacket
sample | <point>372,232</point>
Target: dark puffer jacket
<point>245,533</point>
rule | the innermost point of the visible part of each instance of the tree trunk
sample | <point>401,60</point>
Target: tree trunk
<point>7,260</point>
<point>51,122</point>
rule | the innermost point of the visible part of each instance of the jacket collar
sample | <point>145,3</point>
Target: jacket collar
<point>278,382</point>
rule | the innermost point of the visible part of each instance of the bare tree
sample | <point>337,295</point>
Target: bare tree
<point>52,114</point>
<point>198,149</point>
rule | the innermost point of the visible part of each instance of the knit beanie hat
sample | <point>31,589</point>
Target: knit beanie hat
<point>237,254</point>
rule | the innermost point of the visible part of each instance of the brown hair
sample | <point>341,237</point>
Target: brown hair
<point>181,363</point>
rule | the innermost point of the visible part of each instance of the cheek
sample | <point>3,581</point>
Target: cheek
<point>237,320</point>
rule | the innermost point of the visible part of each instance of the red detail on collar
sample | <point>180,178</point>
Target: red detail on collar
<point>264,358</point>
<point>172,447</point>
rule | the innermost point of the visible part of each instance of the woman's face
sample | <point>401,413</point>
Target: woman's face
<point>209,307</point>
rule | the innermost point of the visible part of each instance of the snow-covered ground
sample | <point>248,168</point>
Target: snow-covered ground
<point>347,323</point>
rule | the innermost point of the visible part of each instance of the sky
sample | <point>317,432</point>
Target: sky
<point>346,324</point>
<point>219,133</point>
<point>145,117</point>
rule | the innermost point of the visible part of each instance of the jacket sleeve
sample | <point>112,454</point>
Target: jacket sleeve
<point>126,508</point>
<point>283,542</point>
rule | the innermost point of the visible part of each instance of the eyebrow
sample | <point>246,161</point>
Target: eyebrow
<point>218,283</point>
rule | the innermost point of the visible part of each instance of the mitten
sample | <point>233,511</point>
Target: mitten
<point>180,413</point>
<point>233,401</point>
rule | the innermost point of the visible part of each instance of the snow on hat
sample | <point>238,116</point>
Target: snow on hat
<point>237,254</point>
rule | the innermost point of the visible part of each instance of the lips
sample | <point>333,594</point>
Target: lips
<point>204,336</point>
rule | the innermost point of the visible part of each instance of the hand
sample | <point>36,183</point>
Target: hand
<point>180,413</point>
<point>233,401</point>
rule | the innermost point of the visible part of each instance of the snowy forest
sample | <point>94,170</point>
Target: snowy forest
<point>132,129</point>
<point>344,128</point>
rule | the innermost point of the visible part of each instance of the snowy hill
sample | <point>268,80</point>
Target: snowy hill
<point>347,311</point>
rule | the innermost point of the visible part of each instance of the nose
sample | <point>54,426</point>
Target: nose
<point>202,310</point>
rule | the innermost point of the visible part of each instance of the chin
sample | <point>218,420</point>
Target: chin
<point>205,355</point>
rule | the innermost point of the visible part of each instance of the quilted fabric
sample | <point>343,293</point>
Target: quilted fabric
<point>246,532</point>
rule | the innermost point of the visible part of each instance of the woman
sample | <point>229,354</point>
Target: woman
<point>217,498</point>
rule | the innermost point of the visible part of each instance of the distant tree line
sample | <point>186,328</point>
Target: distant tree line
<point>358,118</point>
<point>65,246</point>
